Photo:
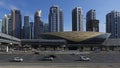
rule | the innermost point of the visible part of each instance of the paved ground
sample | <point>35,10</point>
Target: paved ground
<point>60,65</point>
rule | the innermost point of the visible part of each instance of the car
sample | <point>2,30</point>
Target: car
<point>36,52</point>
<point>18,59</point>
<point>84,58</point>
<point>53,56</point>
<point>47,58</point>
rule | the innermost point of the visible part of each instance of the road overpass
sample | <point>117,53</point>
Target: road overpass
<point>7,39</point>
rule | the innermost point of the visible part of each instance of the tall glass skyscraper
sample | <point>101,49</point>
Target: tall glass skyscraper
<point>92,24</point>
<point>26,28</point>
<point>38,24</point>
<point>10,25</point>
<point>77,19</point>
<point>55,19</point>
<point>91,15</point>
<point>0,25</point>
<point>113,24</point>
<point>46,27</point>
<point>16,23</point>
<point>6,24</point>
<point>31,30</point>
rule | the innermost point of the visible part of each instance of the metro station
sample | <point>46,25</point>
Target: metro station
<point>55,41</point>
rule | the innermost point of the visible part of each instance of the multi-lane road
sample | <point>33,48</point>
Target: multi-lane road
<point>63,58</point>
<point>98,60</point>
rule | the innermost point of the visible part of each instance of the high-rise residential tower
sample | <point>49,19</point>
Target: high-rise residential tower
<point>16,23</point>
<point>91,15</point>
<point>77,19</point>
<point>55,19</point>
<point>26,28</point>
<point>10,24</point>
<point>6,24</point>
<point>113,24</point>
<point>46,27</point>
<point>92,24</point>
<point>38,25</point>
<point>0,25</point>
<point>31,30</point>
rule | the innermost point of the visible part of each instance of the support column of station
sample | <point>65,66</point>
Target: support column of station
<point>7,49</point>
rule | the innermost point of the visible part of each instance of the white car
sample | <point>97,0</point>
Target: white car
<point>84,58</point>
<point>18,59</point>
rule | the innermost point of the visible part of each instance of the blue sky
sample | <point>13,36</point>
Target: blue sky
<point>29,7</point>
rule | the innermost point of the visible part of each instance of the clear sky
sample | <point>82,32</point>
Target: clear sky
<point>29,7</point>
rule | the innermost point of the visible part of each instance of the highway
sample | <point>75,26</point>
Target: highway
<point>31,60</point>
<point>63,58</point>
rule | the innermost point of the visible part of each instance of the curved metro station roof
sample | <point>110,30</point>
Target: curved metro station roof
<point>75,36</point>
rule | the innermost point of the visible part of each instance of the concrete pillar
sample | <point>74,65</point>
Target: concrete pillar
<point>7,48</point>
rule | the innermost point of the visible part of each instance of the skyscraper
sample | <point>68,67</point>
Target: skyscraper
<point>10,25</point>
<point>4,24</point>
<point>26,28</point>
<point>38,25</point>
<point>16,23</point>
<point>6,21</point>
<point>46,27</point>
<point>77,19</point>
<point>55,19</point>
<point>31,30</point>
<point>92,24</point>
<point>0,25</point>
<point>113,24</point>
<point>91,15</point>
